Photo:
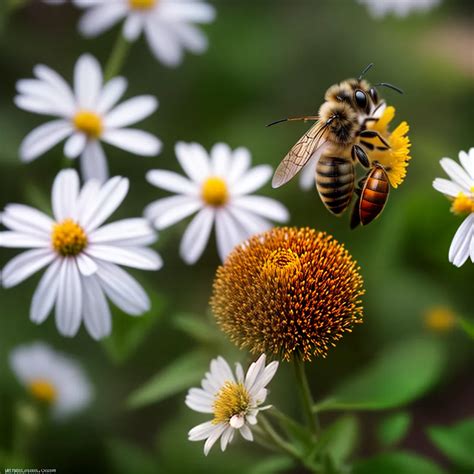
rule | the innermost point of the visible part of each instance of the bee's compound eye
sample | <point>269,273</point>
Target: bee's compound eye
<point>360,99</point>
<point>374,95</point>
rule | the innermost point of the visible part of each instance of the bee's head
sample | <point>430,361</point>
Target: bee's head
<point>358,94</point>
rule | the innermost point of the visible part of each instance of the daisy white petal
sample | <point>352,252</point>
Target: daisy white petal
<point>45,294</point>
<point>253,180</point>
<point>456,173</point>
<point>194,160</point>
<point>171,181</point>
<point>241,160</point>
<point>122,289</point>
<point>123,231</point>
<point>86,265</point>
<point>43,138</point>
<point>263,206</point>
<point>192,38</point>
<point>69,301</point>
<point>226,437</point>
<point>163,43</point>
<point>250,222</point>
<point>447,187</point>
<point>220,158</point>
<point>20,240</point>
<point>307,175</point>
<point>134,141</point>
<point>196,236</point>
<point>97,318</point>
<point>22,266</point>
<point>64,195</point>
<point>135,257</point>
<point>467,161</point>
<point>460,246</point>
<point>131,111</point>
<point>167,211</point>
<point>111,93</point>
<point>94,162</point>
<point>57,82</point>
<point>197,12</point>
<point>246,433</point>
<point>75,145</point>
<point>87,81</point>
<point>133,26</point>
<point>27,220</point>
<point>213,437</point>
<point>100,18</point>
<point>201,431</point>
<point>228,233</point>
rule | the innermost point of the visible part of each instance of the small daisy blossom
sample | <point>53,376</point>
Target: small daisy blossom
<point>82,256</point>
<point>217,188</point>
<point>400,8</point>
<point>166,24</point>
<point>52,378</point>
<point>460,190</point>
<point>87,116</point>
<point>234,400</point>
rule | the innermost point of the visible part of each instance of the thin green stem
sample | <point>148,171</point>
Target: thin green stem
<point>276,439</point>
<point>306,397</point>
<point>117,57</point>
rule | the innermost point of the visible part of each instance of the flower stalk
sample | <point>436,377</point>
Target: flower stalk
<point>306,397</point>
<point>117,57</point>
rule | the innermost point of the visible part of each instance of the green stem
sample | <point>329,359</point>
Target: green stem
<point>117,57</point>
<point>306,397</point>
<point>276,439</point>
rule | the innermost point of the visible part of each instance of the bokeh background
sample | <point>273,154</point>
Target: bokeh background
<point>267,60</point>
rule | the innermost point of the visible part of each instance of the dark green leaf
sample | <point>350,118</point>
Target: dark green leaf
<point>456,442</point>
<point>197,327</point>
<point>467,326</point>
<point>129,332</point>
<point>126,458</point>
<point>393,428</point>
<point>272,465</point>
<point>398,462</point>
<point>179,375</point>
<point>400,375</point>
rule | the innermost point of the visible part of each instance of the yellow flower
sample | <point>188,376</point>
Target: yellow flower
<point>395,160</point>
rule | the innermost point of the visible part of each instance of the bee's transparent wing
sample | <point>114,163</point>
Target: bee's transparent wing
<point>299,155</point>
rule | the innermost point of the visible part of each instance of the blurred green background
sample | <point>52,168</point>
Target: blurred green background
<point>267,60</point>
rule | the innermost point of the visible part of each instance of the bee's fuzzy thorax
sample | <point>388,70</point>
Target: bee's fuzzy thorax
<point>343,121</point>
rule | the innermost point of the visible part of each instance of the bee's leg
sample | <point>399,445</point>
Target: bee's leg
<point>368,119</point>
<point>304,118</point>
<point>355,216</point>
<point>359,154</point>
<point>374,134</point>
<point>361,182</point>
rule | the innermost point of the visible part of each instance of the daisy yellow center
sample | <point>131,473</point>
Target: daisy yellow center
<point>214,191</point>
<point>462,204</point>
<point>89,123</point>
<point>42,390</point>
<point>232,399</point>
<point>68,238</point>
<point>440,319</point>
<point>142,4</point>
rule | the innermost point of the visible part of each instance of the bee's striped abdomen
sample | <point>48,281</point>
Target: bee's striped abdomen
<point>374,195</point>
<point>335,182</point>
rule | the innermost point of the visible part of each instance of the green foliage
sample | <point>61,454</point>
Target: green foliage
<point>181,374</point>
<point>456,442</point>
<point>393,428</point>
<point>467,325</point>
<point>125,458</point>
<point>398,462</point>
<point>129,332</point>
<point>398,376</point>
<point>272,465</point>
<point>197,327</point>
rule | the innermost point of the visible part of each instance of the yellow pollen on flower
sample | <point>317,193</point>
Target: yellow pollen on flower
<point>214,191</point>
<point>68,238</point>
<point>282,263</point>
<point>462,204</point>
<point>395,159</point>
<point>439,319</point>
<point>232,399</point>
<point>142,4</point>
<point>89,123</point>
<point>42,390</point>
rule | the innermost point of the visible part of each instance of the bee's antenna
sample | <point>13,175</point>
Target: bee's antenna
<point>390,86</point>
<point>362,74</point>
<point>291,119</point>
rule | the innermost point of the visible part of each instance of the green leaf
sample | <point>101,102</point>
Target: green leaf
<point>197,327</point>
<point>398,462</point>
<point>467,326</point>
<point>456,442</point>
<point>339,440</point>
<point>125,458</point>
<point>272,465</point>
<point>130,331</point>
<point>181,374</point>
<point>394,428</point>
<point>400,375</point>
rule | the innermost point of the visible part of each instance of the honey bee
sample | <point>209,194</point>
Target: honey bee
<point>336,141</point>
<point>373,194</point>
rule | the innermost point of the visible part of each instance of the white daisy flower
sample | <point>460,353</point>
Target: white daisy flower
<point>234,400</point>
<point>52,378</point>
<point>166,24</point>
<point>81,256</point>
<point>87,116</point>
<point>400,8</point>
<point>217,188</point>
<point>460,189</point>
